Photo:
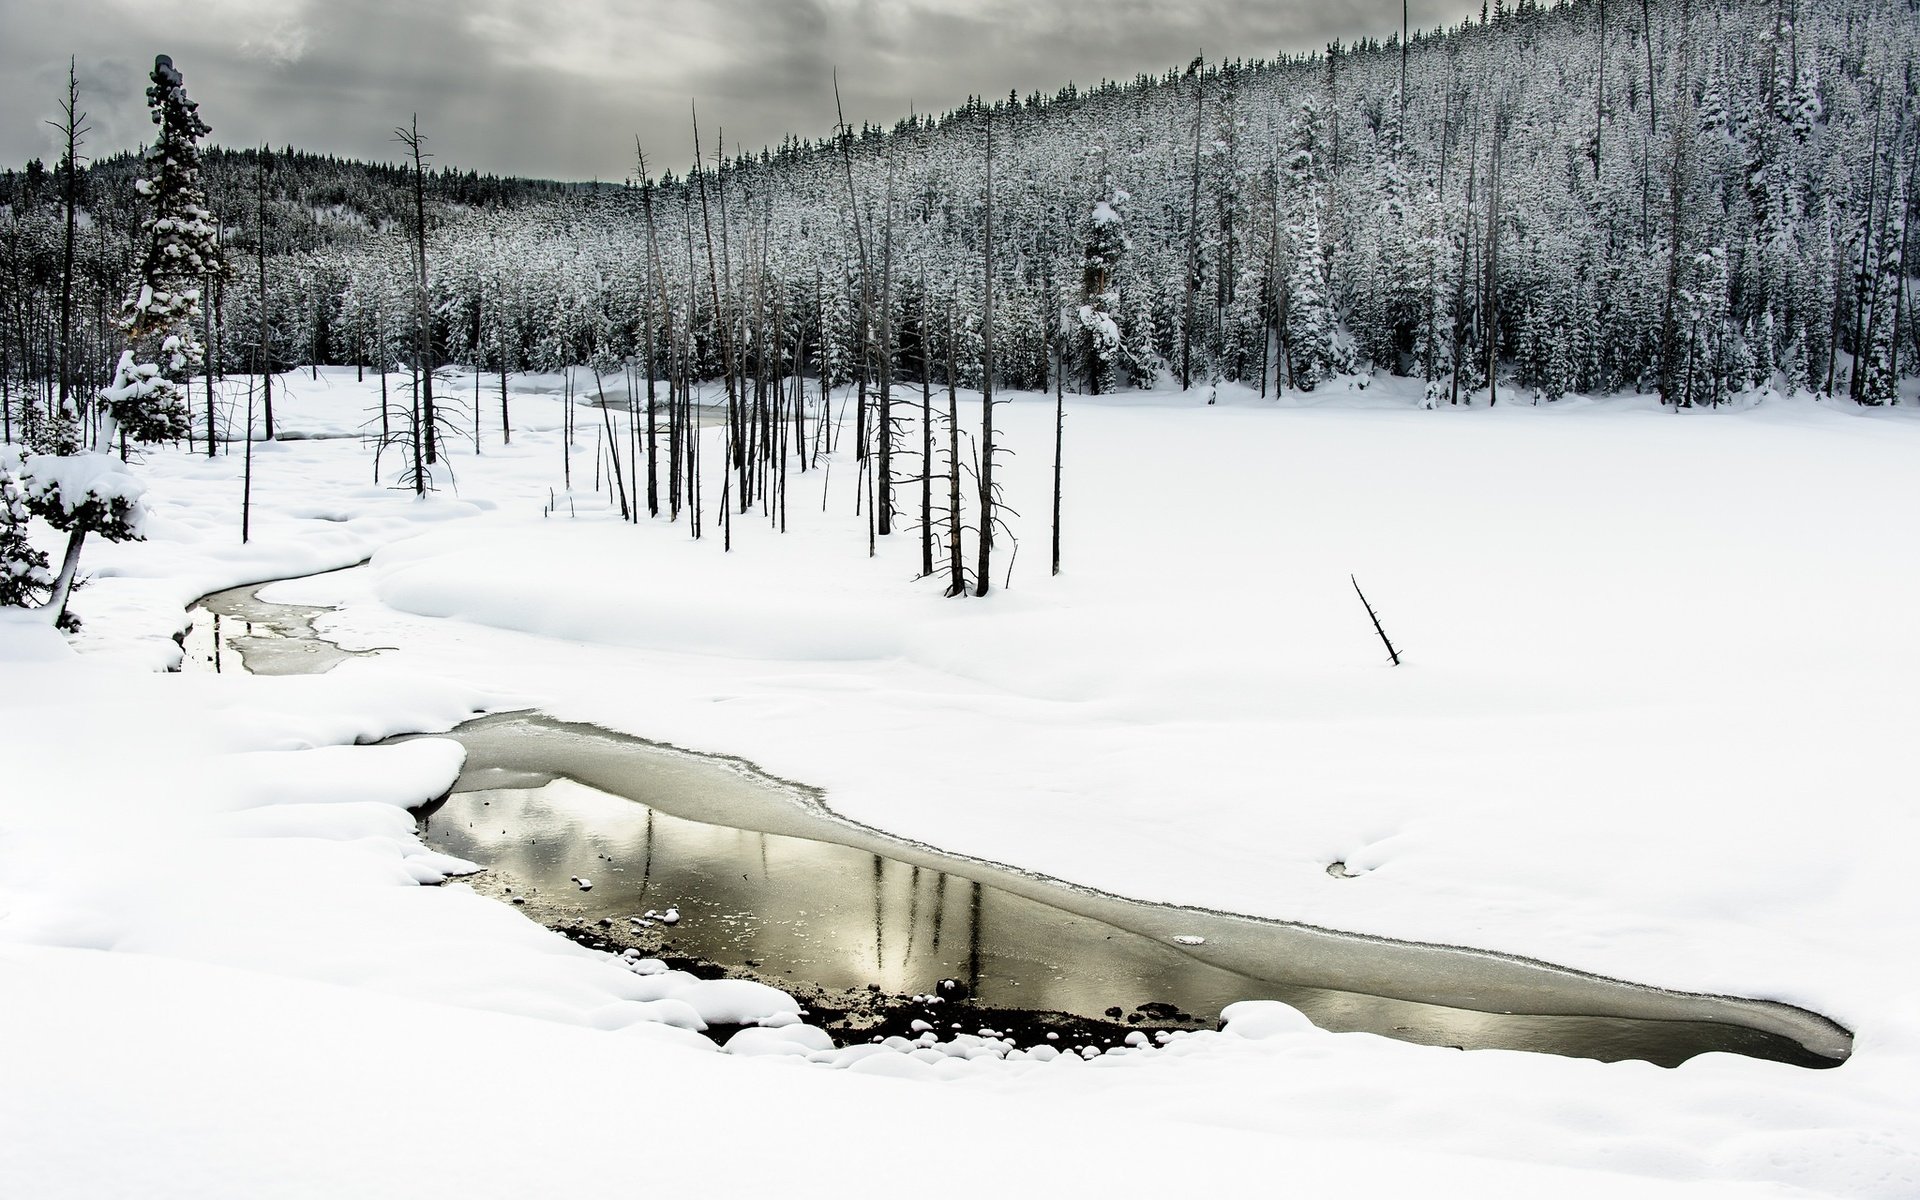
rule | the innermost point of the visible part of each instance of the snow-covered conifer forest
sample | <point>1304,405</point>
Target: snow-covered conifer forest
<point>1331,621</point>
<point>1699,200</point>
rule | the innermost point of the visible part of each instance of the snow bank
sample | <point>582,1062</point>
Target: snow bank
<point>1643,729</point>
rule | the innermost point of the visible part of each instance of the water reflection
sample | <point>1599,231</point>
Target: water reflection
<point>655,827</point>
<point>808,910</point>
<point>233,627</point>
<point>841,918</point>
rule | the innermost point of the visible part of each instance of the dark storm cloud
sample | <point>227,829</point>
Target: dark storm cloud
<point>561,87</point>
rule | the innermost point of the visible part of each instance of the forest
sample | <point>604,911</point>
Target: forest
<point>1692,197</point>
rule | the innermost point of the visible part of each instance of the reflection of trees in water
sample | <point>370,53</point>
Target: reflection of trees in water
<point>646,857</point>
<point>818,911</point>
<point>973,938</point>
<point>913,914</point>
<point>823,913</point>
<point>939,906</point>
<point>879,913</point>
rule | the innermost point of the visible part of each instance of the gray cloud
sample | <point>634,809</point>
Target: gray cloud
<point>560,88</point>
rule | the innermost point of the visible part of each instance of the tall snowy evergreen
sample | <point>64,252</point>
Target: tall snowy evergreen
<point>144,401</point>
<point>83,491</point>
<point>1105,239</point>
<point>24,577</point>
<point>1312,350</point>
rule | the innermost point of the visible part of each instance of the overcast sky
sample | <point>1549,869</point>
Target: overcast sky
<point>560,88</point>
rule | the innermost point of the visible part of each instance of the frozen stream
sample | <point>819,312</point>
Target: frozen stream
<point>765,880</point>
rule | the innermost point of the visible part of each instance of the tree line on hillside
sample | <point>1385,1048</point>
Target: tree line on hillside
<point>1697,197</point>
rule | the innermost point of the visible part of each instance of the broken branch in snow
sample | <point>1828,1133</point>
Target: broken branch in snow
<point>1391,652</point>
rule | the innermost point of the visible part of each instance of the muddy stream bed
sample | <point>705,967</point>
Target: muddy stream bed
<point>718,868</point>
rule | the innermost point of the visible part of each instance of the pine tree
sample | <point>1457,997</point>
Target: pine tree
<point>24,578</point>
<point>147,399</point>
<point>1143,358</point>
<point>1103,234</point>
<point>1876,361</point>
<point>89,491</point>
<point>1310,320</point>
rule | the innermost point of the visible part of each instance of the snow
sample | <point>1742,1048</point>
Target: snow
<point>1653,723</point>
<point>801,1040</point>
<point>1262,1019</point>
<point>73,480</point>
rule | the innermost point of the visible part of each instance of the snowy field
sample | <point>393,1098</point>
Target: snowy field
<point>1656,722</point>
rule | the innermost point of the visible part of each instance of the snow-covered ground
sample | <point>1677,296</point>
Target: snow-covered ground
<point>1655,722</point>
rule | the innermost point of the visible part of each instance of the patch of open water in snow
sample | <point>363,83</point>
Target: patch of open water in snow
<point>763,877</point>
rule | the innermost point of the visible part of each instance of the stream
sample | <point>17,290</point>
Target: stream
<point>707,862</point>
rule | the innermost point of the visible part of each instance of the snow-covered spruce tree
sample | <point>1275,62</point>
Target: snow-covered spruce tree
<point>90,491</point>
<point>1143,359</point>
<point>1103,234</point>
<point>145,401</point>
<point>1310,318</point>
<point>24,578</point>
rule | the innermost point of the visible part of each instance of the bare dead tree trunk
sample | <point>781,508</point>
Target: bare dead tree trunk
<point>423,314</point>
<point>926,427</point>
<point>246,477</point>
<point>956,567</point>
<point>981,581</point>
<point>1433,263</point>
<point>1673,387</point>
<point>884,513</point>
<point>506,416</point>
<point>1193,240</point>
<point>653,433</point>
<point>1059,443</point>
<point>1374,617</point>
<point>477,372</point>
<point>1493,258</point>
<point>655,290</point>
<point>845,133</point>
<point>73,129</point>
<point>212,287</point>
<point>719,312</point>
<point>263,359</point>
<point>1460,279</point>
<point>738,435</point>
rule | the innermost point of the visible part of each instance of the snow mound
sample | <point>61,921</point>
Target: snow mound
<point>794,1040</point>
<point>1258,1020</point>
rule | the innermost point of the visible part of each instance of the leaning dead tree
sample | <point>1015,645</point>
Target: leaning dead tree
<point>1375,618</point>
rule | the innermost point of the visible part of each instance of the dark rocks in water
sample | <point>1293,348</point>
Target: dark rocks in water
<point>1116,1012</point>
<point>868,1012</point>
<point>951,989</point>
